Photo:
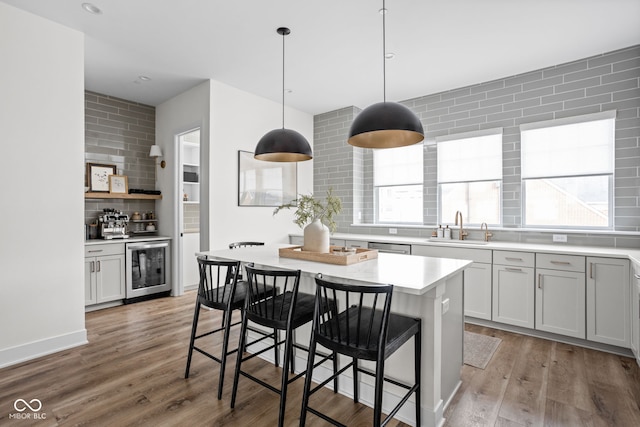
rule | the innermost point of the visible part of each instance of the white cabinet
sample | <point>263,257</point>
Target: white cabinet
<point>635,312</point>
<point>608,305</point>
<point>336,242</point>
<point>104,273</point>
<point>513,288</point>
<point>477,291</point>
<point>477,277</point>
<point>560,294</point>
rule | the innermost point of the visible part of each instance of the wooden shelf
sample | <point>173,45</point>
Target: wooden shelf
<point>123,196</point>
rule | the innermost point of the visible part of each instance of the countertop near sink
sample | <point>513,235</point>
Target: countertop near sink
<point>599,251</point>
<point>128,240</point>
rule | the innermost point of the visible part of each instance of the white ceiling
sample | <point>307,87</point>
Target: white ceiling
<point>334,52</point>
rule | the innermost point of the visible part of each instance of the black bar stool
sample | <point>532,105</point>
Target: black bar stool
<point>273,301</point>
<point>235,245</point>
<point>218,289</point>
<point>365,330</point>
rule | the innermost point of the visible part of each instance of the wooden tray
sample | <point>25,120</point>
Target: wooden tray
<point>330,258</point>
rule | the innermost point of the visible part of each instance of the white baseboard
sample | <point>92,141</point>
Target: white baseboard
<point>22,353</point>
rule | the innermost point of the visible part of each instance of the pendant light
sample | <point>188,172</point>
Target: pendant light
<point>283,145</point>
<point>385,124</point>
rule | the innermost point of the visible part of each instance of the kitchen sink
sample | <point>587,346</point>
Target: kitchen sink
<point>460,242</point>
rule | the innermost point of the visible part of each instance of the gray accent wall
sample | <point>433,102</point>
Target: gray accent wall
<point>610,81</point>
<point>121,133</point>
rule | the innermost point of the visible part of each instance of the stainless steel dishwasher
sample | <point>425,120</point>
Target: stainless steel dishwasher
<point>391,248</point>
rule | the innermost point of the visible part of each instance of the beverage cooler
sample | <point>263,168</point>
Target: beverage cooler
<point>148,270</point>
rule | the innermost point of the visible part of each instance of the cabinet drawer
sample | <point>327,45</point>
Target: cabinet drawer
<point>521,259</point>
<point>475,255</point>
<point>561,262</point>
<point>356,244</point>
<point>106,249</point>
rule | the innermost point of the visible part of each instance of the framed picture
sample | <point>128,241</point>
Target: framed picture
<point>262,183</point>
<point>118,184</point>
<point>98,177</point>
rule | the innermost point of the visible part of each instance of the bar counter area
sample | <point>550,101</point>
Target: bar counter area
<point>426,287</point>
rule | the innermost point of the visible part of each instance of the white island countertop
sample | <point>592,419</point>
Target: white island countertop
<point>425,287</point>
<point>409,274</point>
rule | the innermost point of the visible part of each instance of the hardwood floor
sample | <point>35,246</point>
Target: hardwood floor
<point>535,382</point>
<point>131,373</point>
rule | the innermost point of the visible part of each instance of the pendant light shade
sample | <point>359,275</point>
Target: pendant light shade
<point>385,124</point>
<point>283,145</point>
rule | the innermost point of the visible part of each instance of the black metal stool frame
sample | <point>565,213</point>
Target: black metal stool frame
<point>280,311</point>
<point>371,327</point>
<point>221,295</point>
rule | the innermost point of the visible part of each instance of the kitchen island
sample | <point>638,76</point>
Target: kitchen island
<point>425,287</point>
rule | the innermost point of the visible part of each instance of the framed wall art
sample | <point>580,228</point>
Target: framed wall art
<point>98,177</point>
<point>262,183</point>
<point>118,184</point>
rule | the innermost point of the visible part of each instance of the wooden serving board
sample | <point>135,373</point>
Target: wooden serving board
<point>361,254</point>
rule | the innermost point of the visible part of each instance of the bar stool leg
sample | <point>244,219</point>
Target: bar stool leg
<point>225,350</point>
<point>307,380</point>
<point>377,402</point>
<point>285,377</point>
<point>194,327</point>
<point>241,348</point>
<point>418,352</point>
<point>355,380</point>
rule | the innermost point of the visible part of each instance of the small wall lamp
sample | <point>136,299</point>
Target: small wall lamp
<point>156,152</point>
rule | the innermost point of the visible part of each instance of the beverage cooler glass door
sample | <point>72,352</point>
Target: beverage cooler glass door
<point>148,270</point>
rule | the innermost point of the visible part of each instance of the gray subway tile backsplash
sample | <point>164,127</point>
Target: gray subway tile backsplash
<point>601,83</point>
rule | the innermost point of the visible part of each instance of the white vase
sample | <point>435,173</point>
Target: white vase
<point>316,237</point>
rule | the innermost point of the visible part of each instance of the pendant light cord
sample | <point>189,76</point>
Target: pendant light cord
<point>384,53</point>
<point>283,36</point>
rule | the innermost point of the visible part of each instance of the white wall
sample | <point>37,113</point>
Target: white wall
<point>238,121</point>
<point>42,239</point>
<point>181,113</point>
<point>230,120</point>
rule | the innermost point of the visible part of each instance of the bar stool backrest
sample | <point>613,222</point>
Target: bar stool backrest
<point>218,279</point>
<point>360,329</point>
<point>235,245</point>
<point>271,296</point>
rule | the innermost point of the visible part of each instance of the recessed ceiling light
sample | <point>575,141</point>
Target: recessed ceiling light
<point>382,11</point>
<point>389,55</point>
<point>145,78</point>
<point>91,8</point>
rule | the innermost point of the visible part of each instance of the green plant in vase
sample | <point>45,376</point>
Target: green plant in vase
<point>316,218</point>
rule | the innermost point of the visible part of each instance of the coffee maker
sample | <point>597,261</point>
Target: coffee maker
<point>113,224</point>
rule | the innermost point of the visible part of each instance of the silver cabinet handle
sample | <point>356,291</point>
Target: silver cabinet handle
<point>539,280</point>
<point>590,270</point>
<point>92,267</point>
<point>98,266</point>
<point>513,259</point>
<point>560,262</point>
<point>513,269</point>
<point>94,250</point>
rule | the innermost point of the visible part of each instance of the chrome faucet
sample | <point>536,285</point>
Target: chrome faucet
<point>487,234</point>
<point>461,233</point>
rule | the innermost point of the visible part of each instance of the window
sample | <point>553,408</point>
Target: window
<point>567,172</point>
<point>397,181</point>
<point>470,176</point>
